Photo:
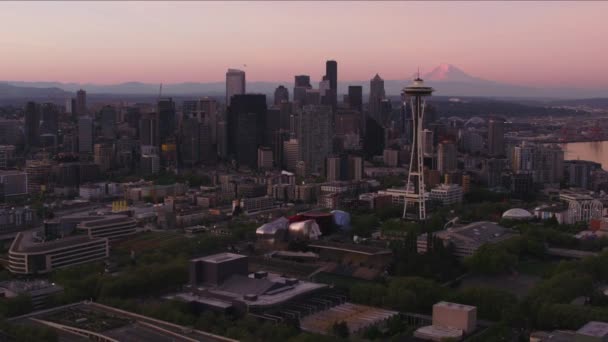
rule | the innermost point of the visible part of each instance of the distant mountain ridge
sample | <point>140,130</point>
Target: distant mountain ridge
<point>447,79</point>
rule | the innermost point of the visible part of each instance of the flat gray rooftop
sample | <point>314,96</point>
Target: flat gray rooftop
<point>221,257</point>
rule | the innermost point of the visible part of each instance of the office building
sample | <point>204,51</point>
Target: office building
<point>235,84</point>
<point>331,75</point>
<point>108,117</point>
<point>166,119</point>
<point>246,128</point>
<point>149,130</point>
<point>85,134</point>
<point>81,102</point>
<point>451,321</point>
<point>447,194</point>
<point>447,157</point>
<point>496,137</point>
<point>7,156</point>
<point>38,175</point>
<point>50,118</point>
<point>32,124</point>
<point>9,130</point>
<point>291,154</point>
<point>315,137</point>
<point>104,156</point>
<point>29,255</point>
<point>265,158</point>
<point>150,164</point>
<point>376,95</point>
<point>355,98</point>
<point>281,94</point>
<point>13,183</point>
<point>301,84</point>
<point>112,227</point>
<point>391,157</point>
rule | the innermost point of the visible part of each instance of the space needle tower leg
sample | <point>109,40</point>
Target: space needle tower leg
<point>416,93</point>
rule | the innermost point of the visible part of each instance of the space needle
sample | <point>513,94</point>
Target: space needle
<point>414,188</point>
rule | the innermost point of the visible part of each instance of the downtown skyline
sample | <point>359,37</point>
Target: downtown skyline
<point>529,44</point>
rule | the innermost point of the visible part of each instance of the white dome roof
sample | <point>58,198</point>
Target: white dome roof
<point>517,214</point>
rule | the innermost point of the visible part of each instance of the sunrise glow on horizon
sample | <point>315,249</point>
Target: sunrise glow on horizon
<point>528,43</point>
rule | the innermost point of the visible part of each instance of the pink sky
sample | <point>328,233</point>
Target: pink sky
<point>531,43</point>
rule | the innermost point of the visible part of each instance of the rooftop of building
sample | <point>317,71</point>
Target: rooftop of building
<point>108,323</point>
<point>455,306</point>
<point>32,288</point>
<point>477,233</point>
<point>350,248</point>
<point>357,318</point>
<point>220,257</point>
<point>594,329</point>
<point>29,242</point>
<point>517,214</point>
<point>104,220</point>
<point>438,333</point>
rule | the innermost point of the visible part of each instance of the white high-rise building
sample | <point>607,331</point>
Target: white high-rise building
<point>235,83</point>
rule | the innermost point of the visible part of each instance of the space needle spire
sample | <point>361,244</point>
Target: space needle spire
<point>414,188</point>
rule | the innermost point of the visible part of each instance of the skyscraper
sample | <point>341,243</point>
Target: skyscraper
<point>281,94</point>
<point>355,97</point>
<point>302,82</point>
<point>496,137</point>
<point>50,118</point>
<point>315,137</point>
<point>108,122</point>
<point>166,118</point>
<point>246,128</point>
<point>85,135</point>
<point>376,95</point>
<point>331,74</point>
<point>414,188</point>
<point>81,102</point>
<point>148,130</point>
<point>235,84</point>
<point>32,124</point>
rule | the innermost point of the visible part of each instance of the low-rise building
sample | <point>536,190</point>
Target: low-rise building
<point>113,227</point>
<point>29,254</point>
<point>38,290</point>
<point>447,194</point>
<point>468,239</point>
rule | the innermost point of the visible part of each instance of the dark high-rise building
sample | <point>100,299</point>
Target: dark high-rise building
<point>331,73</point>
<point>496,137</point>
<point>148,129</point>
<point>108,122</point>
<point>81,102</point>
<point>373,140</point>
<point>132,117</point>
<point>195,145</point>
<point>246,128</point>
<point>50,118</point>
<point>376,95</point>
<point>355,97</point>
<point>302,83</point>
<point>85,135</point>
<point>166,118</point>
<point>32,124</point>
<point>281,94</point>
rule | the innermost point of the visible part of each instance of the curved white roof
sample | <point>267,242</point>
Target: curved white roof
<point>517,214</point>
